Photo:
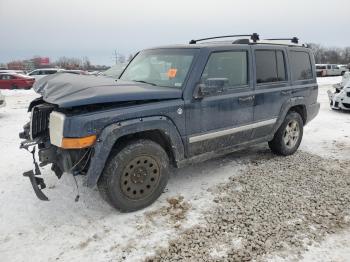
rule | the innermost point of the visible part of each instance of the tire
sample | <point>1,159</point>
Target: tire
<point>288,136</point>
<point>14,86</point>
<point>342,73</point>
<point>135,176</point>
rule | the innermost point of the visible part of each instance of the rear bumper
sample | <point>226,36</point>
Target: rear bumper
<point>312,111</point>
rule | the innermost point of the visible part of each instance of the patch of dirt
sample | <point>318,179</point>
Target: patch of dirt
<point>175,211</point>
<point>279,205</point>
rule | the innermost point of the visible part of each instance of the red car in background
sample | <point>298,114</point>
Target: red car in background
<point>15,81</point>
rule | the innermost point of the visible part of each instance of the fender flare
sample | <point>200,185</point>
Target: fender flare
<point>294,101</point>
<point>113,132</point>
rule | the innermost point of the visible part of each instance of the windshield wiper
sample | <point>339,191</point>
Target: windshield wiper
<point>145,82</point>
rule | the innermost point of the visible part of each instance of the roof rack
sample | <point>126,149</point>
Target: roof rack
<point>294,40</point>
<point>254,37</point>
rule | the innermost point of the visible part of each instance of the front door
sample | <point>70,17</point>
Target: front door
<point>221,118</point>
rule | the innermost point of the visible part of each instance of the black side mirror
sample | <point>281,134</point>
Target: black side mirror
<point>210,86</point>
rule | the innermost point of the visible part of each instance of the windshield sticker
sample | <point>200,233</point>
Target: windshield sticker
<point>172,72</point>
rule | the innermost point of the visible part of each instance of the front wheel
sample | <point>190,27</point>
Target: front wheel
<point>135,176</point>
<point>288,136</point>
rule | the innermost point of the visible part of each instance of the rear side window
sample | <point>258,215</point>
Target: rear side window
<point>6,77</point>
<point>270,66</point>
<point>49,72</point>
<point>300,65</point>
<point>229,65</point>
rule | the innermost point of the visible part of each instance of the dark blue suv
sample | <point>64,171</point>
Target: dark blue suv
<point>171,106</point>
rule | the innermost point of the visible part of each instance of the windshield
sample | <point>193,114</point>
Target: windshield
<point>115,70</point>
<point>161,67</point>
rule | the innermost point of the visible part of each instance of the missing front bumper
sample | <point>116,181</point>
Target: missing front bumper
<point>37,184</point>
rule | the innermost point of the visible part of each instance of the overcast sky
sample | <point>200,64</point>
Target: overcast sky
<point>97,28</point>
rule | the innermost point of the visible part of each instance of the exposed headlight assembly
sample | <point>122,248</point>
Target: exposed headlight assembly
<point>56,127</point>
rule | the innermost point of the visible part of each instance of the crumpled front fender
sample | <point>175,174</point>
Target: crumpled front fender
<point>112,133</point>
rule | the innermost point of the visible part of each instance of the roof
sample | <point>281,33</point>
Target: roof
<point>224,44</point>
<point>250,39</point>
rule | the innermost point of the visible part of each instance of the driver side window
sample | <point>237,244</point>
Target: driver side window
<point>227,68</point>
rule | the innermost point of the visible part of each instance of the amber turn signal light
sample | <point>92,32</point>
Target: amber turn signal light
<point>78,143</point>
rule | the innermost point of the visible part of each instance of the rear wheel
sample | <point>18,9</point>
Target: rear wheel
<point>135,176</point>
<point>288,136</point>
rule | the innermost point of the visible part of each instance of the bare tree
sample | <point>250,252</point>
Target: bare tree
<point>330,55</point>
<point>68,62</point>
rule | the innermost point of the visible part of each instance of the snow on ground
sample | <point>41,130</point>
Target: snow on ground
<point>329,134</point>
<point>64,230</point>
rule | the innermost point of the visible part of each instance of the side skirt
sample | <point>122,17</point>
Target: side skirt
<point>221,152</point>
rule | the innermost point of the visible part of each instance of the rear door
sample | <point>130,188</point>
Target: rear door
<point>303,75</point>
<point>222,118</point>
<point>272,87</point>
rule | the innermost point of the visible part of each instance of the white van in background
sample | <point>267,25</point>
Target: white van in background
<point>330,70</point>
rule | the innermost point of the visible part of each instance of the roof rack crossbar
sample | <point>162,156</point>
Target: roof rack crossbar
<point>254,37</point>
<point>294,40</point>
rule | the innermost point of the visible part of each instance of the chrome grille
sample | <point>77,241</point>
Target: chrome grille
<point>39,123</point>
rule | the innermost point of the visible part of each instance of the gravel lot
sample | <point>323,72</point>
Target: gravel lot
<point>277,204</point>
<point>246,205</point>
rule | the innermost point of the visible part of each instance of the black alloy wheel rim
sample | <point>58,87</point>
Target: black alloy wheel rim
<point>140,177</point>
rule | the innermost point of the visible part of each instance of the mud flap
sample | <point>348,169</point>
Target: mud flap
<point>37,184</point>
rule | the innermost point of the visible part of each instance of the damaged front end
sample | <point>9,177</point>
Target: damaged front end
<point>340,98</point>
<point>37,139</point>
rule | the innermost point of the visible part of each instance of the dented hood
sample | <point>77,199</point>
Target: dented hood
<point>69,90</point>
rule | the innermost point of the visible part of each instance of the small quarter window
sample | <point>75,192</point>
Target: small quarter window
<point>232,66</point>
<point>300,65</point>
<point>270,66</point>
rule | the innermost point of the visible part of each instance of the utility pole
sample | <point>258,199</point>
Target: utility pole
<point>116,56</point>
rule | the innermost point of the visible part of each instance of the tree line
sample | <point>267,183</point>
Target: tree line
<point>331,55</point>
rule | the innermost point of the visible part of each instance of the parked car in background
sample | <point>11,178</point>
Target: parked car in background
<point>330,70</point>
<point>77,72</point>
<point>40,73</point>
<point>344,67</point>
<point>15,81</point>
<point>2,100</point>
<point>340,98</point>
<point>13,71</point>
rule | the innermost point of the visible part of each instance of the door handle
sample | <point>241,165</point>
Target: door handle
<point>246,99</point>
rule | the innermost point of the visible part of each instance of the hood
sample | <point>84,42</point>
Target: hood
<point>70,90</point>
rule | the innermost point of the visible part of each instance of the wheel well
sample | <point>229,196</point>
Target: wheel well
<point>156,136</point>
<point>301,110</point>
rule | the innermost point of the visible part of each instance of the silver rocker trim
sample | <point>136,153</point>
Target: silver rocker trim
<point>198,138</point>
